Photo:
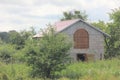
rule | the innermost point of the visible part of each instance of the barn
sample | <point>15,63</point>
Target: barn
<point>88,41</point>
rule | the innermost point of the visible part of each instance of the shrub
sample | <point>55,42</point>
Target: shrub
<point>3,76</point>
<point>49,55</point>
<point>6,52</point>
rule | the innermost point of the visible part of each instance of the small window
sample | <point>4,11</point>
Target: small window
<point>81,57</point>
<point>81,39</point>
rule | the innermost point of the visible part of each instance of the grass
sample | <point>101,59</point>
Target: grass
<point>14,71</point>
<point>99,70</point>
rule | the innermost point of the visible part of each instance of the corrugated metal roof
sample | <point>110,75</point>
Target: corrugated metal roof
<point>61,25</point>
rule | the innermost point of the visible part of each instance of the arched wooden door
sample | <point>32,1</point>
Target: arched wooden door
<point>81,39</point>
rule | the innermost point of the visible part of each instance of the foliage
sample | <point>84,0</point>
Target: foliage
<point>6,52</point>
<point>17,38</point>
<point>18,57</point>
<point>74,15</point>
<point>27,34</point>
<point>99,70</point>
<point>16,71</point>
<point>101,25</point>
<point>4,36</point>
<point>114,30</point>
<point>12,51</point>
<point>49,54</point>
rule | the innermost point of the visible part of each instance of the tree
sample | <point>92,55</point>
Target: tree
<point>27,34</point>
<point>74,15</point>
<point>4,36</point>
<point>48,55</point>
<point>16,39</point>
<point>19,38</point>
<point>6,53</point>
<point>101,25</point>
<point>114,30</point>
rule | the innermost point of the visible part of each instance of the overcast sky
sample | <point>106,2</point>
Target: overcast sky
<point>22,14</point>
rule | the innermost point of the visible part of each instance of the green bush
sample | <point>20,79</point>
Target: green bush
<point>19,56</point>
<point>15,71</point>
<point>6,52</point>
<point>99,70</point>
<point>3,76</point>
<point>49,55</point>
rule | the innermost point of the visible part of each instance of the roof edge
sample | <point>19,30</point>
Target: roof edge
<point>105,34</point>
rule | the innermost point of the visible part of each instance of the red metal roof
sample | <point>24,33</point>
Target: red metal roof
<point>61,25</point>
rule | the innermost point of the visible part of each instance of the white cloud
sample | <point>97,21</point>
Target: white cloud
<point>21,14</point>
<point>18,2</point>
<point>48,9</point>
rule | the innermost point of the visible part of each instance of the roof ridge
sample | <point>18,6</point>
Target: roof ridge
<point>87,24</point>
<point>96,28</point>
<point>67,23</point>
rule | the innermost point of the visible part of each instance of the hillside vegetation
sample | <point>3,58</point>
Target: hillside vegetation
<point>99,70</point>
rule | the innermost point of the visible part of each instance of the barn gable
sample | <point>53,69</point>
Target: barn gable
<point>62,25</point>
<point>88,41</point>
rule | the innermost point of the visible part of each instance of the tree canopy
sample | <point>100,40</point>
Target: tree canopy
<point>74,15</point>
<point>101,25</point>
<point>49,54</point>
<point>114,30</point>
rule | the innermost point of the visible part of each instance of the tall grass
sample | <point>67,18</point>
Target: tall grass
<point>14,71</point>
<point>99,70</point>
